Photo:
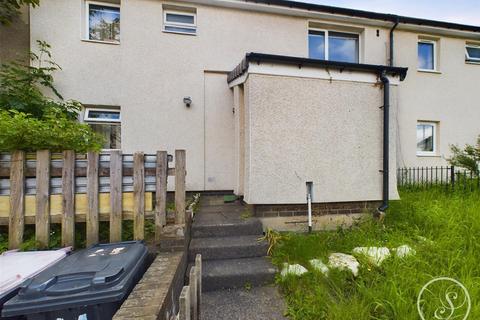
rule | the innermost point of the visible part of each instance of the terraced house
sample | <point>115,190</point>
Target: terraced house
<point>270,97</point>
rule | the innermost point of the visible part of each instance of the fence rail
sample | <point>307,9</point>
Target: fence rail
<point>66,188</point>
<point>449,176</point>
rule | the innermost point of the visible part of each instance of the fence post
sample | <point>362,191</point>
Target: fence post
<point>16,219</point>
<point>92,196</point>
<point>139,196</point>
<point>42,201</point>
<point>68,198</point>
<point>184,313</point>
<point>198,270</point>
<point>161,175</point>
<point>116,196</point>
<point>452,176</point>
<point>180,173</point>
<point>192,283</point>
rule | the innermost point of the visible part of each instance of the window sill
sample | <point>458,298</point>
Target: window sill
<point>429,71</point>
<point>179,32</point>
<point>472,62</point>
<point>102,42</point>
<point>429,155</point>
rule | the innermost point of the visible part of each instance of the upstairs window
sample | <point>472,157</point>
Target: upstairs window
<point>472,52</point>
<point>426,138</point>
<point>427,55</point>
<point>103,22</point>
<point>332,45</point>
<point>107,123</point>
<point>179,21</point>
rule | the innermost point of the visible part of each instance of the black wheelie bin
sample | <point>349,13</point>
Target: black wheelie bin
<point>90,284</point>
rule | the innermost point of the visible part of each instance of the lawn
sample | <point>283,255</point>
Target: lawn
<point>450,222</point>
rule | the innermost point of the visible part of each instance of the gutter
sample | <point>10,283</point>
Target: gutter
<point>365,14</point>
<point>386,143</point>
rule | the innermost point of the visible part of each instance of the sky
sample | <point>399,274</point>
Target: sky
<point>458,11</point>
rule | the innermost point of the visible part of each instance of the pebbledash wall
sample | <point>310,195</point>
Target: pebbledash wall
<point>150,72</point>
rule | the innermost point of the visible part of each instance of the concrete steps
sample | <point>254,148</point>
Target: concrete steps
<point>237,273</point>
<point>209,229</point>
<point>228,240</point>
<point>228,247</point>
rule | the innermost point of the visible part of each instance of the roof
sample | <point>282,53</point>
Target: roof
<point>366,14</point>
<point>242,68</point>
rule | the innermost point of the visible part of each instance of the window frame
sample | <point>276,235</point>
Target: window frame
<point>467,55</point>
<point>180,24</point>
<point>87,119</point>
<point>434,152</point>
<point>435,66</point>
<point>86,36</point>
<point>327,41</point>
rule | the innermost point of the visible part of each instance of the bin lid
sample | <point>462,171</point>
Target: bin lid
<point>17,266</point>
<point>99,274</point>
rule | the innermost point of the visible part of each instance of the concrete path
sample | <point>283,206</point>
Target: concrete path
<point>258,303</point>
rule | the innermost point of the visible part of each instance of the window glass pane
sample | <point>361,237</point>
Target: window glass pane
<point>104,23</point>
<point>316,45</point>
<point>111,133</point>
<point>426,56</point>
<point>180,29</point>
<point>180,18</point>
<point>343,47</point>
<point>104,115</point>
<point>425,134</point>
<point>473,52</point>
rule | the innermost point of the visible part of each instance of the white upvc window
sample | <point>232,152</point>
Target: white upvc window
<point>427,55</point>
<point>102,22</point>
<point>472,52</point>
<point>333,45</point>
<point>107,123</point>
<point>427,138</point>
<point>102,115</point>
<point>176,21</point>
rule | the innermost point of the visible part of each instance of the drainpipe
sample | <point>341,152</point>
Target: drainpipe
<point>386,125</point>
<point>309,204</point>
<point>391,41</point>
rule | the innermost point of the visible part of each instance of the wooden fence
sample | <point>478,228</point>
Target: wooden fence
<point>67,188</point>
<point>191,295</point>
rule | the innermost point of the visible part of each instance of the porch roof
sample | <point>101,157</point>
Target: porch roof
<point>242,68</point>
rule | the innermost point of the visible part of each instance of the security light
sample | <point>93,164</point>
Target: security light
<point>187,101</point>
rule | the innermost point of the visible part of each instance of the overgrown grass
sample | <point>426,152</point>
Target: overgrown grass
<point>449,221</point>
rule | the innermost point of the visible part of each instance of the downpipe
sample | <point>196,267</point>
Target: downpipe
<point>386,125</point>
<point>309,204</point>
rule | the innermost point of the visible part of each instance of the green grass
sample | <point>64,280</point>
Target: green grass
<point>450,220</point>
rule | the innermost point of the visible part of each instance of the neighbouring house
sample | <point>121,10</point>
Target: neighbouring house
<point>269,95</point>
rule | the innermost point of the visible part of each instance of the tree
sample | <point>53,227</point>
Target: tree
<point>31,121</point>
<point>9,9</point>
<point>22,86</point>
<point>468,157</point>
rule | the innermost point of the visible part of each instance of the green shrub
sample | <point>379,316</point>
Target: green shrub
<point>31,121</point>
<point>22,86</point>
<point>55,132</point>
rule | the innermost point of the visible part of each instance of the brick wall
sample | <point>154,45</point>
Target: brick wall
<point>154,295</point>
<point>318,209</point>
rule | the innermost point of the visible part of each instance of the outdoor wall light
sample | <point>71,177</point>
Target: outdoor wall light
<point>187,101</point>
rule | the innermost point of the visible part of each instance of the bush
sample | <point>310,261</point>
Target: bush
<point>31,121</point>
<point>55,132</point>
<point>22,86</point>
<point>468,157</point>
